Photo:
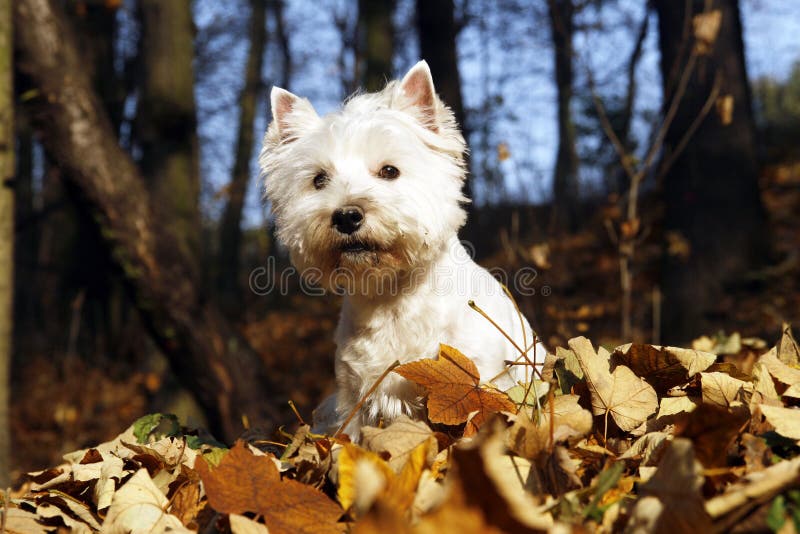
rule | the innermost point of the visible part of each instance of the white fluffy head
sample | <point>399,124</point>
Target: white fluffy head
<point>314,166</point>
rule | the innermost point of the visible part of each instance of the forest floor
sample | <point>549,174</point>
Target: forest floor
<point>94,402</point>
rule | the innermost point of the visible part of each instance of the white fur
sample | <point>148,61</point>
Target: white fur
<point>409,292</point>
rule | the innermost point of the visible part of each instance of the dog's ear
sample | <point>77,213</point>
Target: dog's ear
<point>417,88</point>
<point>289,113</point>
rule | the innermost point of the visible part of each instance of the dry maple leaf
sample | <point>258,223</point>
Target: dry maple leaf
<point>244,482</point>
<point>663,367</point>
<point>628,398</point>
<point>454,390</point>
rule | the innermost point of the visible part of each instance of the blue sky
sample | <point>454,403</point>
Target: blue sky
<point>514,70</point>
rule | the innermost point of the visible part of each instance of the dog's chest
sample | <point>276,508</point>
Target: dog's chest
<point>371,340</point>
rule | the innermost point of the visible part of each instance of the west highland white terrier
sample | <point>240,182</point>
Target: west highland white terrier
<point>368,202</point>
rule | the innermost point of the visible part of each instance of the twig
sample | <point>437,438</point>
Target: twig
<point>521,321</point>
<point>523,353</point>
<point>742,498</point>
<point>296,413</point>
<point>363,399</point>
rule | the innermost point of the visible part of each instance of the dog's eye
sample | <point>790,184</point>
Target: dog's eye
<point>389,172</point>
<point>320,180</point>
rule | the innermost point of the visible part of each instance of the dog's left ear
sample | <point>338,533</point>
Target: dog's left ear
<point>417,88</point>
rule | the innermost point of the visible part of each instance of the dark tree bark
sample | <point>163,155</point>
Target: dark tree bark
<point>6,232</point>
<point>565,174</point>
<point>166,122</point>
<point>437,30</point>
<point>710,190</point>
<point>216,364</point>
<point>276,7</point>
<point>375,42</point>
<point>230,235</point>
<point>97,31</point>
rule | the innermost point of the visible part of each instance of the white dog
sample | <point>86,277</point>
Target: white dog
<point>368,201</point>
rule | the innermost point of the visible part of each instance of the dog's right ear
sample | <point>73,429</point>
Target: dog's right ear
<point>290,114</point>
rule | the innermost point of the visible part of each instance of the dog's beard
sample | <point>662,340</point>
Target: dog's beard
<point>358,265</point>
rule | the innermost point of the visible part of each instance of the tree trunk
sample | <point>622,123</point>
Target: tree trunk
<point>565,174</point>
<point>216,364</point>
<point>375,42</point>
<point>97,32</point>
<point>437,30</point>
<point>276,8</point>
<point>6,234</point>
<point>230,235</point>
<point>166,122</point>
<point>710,190</point>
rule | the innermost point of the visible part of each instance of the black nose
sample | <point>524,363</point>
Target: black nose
<point>348,219</point>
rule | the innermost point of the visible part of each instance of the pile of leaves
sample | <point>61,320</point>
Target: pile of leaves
<point>641,438</point>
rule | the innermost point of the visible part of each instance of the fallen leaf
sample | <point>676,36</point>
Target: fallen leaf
<point>454,391</point>
<point>244,525</point>
<point>785,420</point>
<point>486,478</point>
<point>662,367</point>
<point>763,385</point>
<point>670,411</point>
<point>187,501</point>
<point>50,511</point>
<point>567,369</point>
<point>712,430</point>
<point>753,486</point>
<point>569,420</point>
<point>361,475</point>
<point>675,486</point>
<point>723,390</point>
<point>18,521</point>
<point>398,440</point>
<point>244,482</point>
<point>649,447</point>
<point>782,372</point>
<point>139,507</point>
<point>628,398</point>
<point>787,349</point>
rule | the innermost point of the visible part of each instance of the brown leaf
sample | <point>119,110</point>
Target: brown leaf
<point>490,488</point>
<point>706,27</point>
<point>528,438</point>
<point>244,482</point>
<point>783,373</point>
<point>454,390</point>
<point>670,501</point>
<point>785,420</point>
<point>724,390</point>
<point>662,367</point>
<point>787,348</point>
<point>712,429</point>
<point>186,502</point>
<point>628,398</point>
<point>399,440</point>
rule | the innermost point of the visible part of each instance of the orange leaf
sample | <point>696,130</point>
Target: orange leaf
<point>454,391</point>
<point>244,482</point>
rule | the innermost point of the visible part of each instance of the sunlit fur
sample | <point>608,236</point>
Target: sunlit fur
<point>404,293</point>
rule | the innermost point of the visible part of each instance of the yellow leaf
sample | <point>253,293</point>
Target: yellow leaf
<point>362,475</point>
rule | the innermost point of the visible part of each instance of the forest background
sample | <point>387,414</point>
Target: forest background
<point>642,158</point>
